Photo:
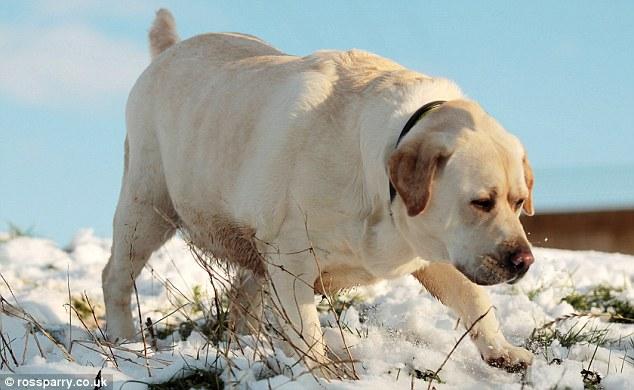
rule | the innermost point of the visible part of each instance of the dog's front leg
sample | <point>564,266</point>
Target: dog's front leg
<point>291,297</point>
<point>469,301</point>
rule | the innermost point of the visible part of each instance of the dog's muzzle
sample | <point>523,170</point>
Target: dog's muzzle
<point>492,269</point>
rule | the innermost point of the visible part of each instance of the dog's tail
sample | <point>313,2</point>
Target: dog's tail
<point>163,32</point>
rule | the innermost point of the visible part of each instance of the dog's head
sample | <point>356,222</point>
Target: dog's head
<point>462,182</point>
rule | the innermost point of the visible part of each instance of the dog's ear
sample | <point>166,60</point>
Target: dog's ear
<point>412,168</point>
<point>530,180</point>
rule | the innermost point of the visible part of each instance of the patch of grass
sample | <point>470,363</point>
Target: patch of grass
<point>427,375</point>
<point>191,378</point>
<point>185,329</point>
<point>164,331</point>
<point>579,335</point>
<point>532,294</point>
<point>591,380</point>
<point>542,338</point>
<point>212,328</point>
<point>198,305</point>
<point>207,315</point>
<point>603,298</point>
<point>340,301</point>
<point>82,308</point>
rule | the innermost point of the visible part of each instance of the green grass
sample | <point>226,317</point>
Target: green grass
<point>211,322</point>
<point>532,294</point>
<point>82,308</point>
<point>198,304</point>
<point>601,300</point>
<point>340,301</point>
<point>542,338</point>
<point>604,299</point>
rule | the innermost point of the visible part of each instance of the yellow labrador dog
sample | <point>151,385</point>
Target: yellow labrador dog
<point>382,170</point>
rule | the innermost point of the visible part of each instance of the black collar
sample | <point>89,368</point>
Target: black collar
<point>408,126</point>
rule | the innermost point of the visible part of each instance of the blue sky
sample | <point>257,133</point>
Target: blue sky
<point>558,74</point>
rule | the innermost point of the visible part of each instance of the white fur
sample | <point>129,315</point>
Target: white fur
<point>224,129</point>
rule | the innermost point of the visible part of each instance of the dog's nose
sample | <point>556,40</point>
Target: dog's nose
<point>521,260</point>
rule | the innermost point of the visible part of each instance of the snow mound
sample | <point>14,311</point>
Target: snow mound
<point>395,329</point>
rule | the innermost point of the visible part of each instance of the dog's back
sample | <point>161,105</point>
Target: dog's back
<point>225,117</point>
<point>163,35</point>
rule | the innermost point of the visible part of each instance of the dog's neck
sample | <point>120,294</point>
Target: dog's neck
<point>385,119</point>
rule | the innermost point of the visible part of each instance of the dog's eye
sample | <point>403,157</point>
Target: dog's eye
<point>485,205</point>
<point>519,204</point>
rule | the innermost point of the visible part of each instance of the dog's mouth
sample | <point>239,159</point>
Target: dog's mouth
<point>517,277</point>
<point>489,271</point>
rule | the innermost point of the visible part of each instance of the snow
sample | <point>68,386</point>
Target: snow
<point>396,327</point>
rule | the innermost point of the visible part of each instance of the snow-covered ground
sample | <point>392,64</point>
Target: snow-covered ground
<point>397,327</point>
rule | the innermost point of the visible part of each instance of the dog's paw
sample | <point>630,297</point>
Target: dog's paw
<point>507,356</point>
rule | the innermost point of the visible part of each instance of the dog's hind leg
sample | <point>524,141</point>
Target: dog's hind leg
<point>246,302</point>
<point>143,221</point>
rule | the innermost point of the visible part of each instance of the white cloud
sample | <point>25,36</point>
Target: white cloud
<point>68,63</point>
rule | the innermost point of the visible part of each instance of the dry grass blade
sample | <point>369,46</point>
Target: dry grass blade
<point>70,303</point>
<point>7,347</point>
<point>9,309</point>
<point>220,274</point>
<point>456,346</point>
<point>103,335</point>
<point>94,338</point>
<point>138,306</point>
